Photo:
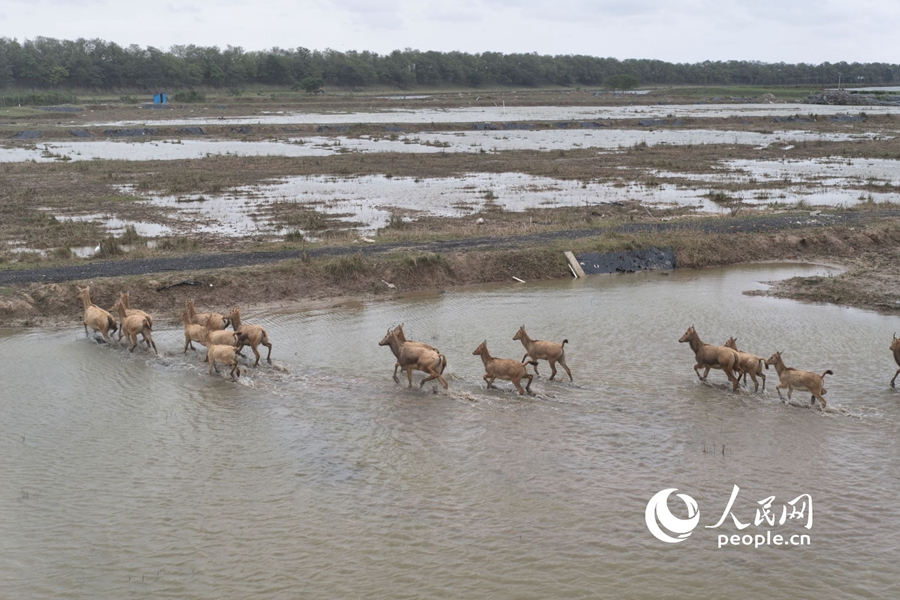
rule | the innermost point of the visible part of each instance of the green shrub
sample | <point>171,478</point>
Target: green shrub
<point>190,96</point>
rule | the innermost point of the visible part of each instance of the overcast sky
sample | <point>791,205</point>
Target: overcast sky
<point>791,31</point>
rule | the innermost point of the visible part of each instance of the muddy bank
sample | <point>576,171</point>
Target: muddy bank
<point>718,225</point>
<point>871,282</point>
<point>869,246</point>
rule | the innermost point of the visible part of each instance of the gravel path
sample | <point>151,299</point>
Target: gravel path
<point>121,267</point>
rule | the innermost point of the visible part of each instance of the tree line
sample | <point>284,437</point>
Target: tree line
<point>51,64</point>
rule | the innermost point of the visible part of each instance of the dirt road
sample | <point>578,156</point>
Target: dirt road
<point>752,224</point>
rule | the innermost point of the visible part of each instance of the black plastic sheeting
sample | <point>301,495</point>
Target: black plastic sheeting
<point>518,126</point>
<point>190,131</point>
<point>647,259</point>
<point>80,133</point>
<point>27,135</point>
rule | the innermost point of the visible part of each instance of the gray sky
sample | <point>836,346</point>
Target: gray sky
<point>791,31</point>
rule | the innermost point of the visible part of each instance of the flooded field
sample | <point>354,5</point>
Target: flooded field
<point>368,203</point>
<point>348,182</point>
<point>503,113</point>
<point>131,476</point>
<point>418,143</point>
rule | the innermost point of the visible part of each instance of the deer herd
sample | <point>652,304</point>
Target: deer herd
<point>209,329</point>
<point>224,347</point>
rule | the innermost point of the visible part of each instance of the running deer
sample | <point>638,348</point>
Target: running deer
<point>543,350</point>
<point>504,368</point>
<point>791,378</point>
<point>712,357</point>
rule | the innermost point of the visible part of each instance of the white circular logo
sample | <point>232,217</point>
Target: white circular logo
<point>658,513</point>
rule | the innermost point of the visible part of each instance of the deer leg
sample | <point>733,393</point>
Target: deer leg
<point>753,377</point>
<point>562,361</point>
<point>256,352</point>
<point>892,380</point>
<point>518,385</point>
<point>431,375</point>
<point>552,368</point>
<point>733,379</point>
<point>528,386</point>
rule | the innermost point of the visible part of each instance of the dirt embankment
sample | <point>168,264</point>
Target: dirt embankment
<point>867,243</point>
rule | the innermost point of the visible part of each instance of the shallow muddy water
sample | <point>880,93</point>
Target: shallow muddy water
<point>413,143</point>
<point>366,203</point>
<point>503,113</point>
<point>129,476</point>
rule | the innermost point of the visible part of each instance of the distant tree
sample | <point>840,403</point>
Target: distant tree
<point>624,81</point>
<point>311,84</point>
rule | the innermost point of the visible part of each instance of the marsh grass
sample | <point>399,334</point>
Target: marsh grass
<point>346,267</point>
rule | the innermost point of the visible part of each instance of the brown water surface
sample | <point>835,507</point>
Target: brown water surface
<point>128,476</point>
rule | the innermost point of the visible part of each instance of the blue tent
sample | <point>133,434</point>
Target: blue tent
<point>160,99</point>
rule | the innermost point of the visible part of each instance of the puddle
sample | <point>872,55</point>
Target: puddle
<point>604,139</point>
<point>367,203</point>
<point>78,251</point>
<point>116,226</point>
<point>830,170</point>
<point>520,113</point>
<point>428,143</point>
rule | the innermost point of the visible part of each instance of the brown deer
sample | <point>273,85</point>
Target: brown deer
<point>751,364</point>
<point>411,356</point>
<point>712,357</point>
<point>402,338</point>
<point>95,317</point>
<point>543,350</point>
<point>895,348</point>
<point>250,335</point>
<point>134,324</point>
<point>504,368</point>
<point>791,378</point>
